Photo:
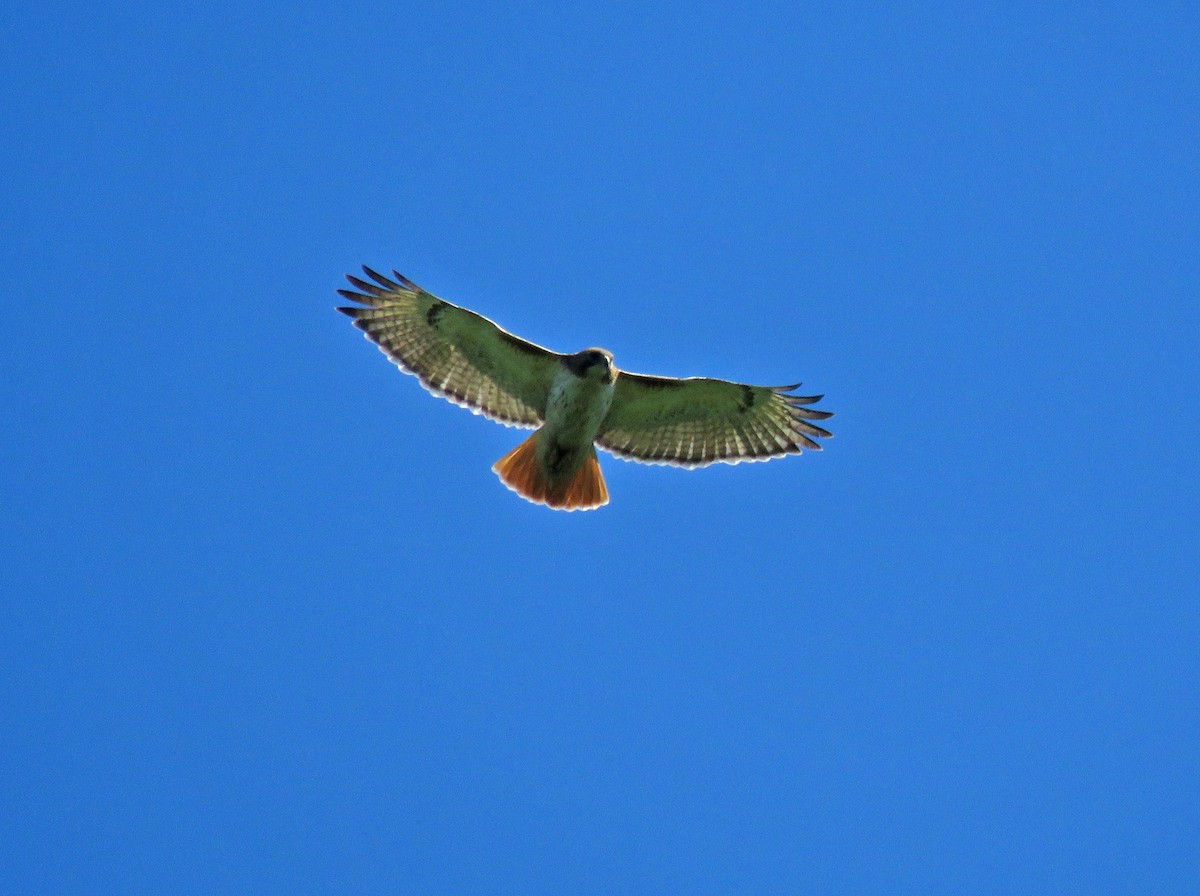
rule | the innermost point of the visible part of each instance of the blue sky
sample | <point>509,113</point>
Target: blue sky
<point>270,623</point>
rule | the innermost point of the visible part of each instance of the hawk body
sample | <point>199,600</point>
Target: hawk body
<point>576,401</point>
<point>579,399</point>
<point>564,472</point>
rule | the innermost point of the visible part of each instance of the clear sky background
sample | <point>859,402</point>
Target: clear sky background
<point>271,625</point>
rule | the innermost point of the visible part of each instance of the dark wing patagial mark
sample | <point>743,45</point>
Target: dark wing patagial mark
<point>656,382</point>
<point>436,310</point>
<point>525,348</point>
<point>747,400</point>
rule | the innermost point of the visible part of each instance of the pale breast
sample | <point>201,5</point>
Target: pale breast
<point>576,407</point>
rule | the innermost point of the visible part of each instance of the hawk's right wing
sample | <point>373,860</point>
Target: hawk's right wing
<point>699,421</point>
<point>455,353</point>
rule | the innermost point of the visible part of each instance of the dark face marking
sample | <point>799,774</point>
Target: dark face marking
<point>580,362</point>
<point>435,312</point>
<point>746,402</point>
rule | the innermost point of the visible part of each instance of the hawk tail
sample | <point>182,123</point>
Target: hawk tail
<point>521,472</point>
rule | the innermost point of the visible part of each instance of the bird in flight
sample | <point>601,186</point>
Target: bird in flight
<point>575,402</point>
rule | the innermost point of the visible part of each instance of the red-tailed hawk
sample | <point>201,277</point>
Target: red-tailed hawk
<point>575,401</point>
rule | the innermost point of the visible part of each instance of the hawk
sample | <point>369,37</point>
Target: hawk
<point>575,402</point>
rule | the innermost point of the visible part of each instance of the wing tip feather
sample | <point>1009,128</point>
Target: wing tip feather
<point>401,283</point>
<point>379,278</point>
<point>382,292</point>
<point>404,281</point>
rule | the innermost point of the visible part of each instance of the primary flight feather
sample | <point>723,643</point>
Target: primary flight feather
<point>575,401</point>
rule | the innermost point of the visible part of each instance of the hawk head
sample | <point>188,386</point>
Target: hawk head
<point>596,363</point>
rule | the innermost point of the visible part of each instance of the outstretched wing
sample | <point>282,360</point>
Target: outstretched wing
<point>455,353</point>
<point>697,421</point>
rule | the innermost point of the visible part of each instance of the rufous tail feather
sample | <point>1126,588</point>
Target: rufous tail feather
<point>520,471</point>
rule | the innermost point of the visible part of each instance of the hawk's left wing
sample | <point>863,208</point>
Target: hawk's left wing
<point>698,421</point>
<point>455,353</point>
